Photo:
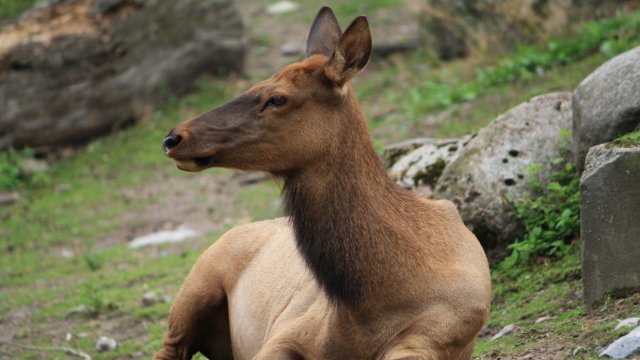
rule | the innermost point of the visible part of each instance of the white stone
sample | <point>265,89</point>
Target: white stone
<point>162,237</point>
<point>282,7</point>
<point>507,330</point>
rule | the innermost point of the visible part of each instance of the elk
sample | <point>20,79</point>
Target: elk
<point>359,268</point>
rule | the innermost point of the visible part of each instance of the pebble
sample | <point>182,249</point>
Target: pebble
<point>105,343</point>
<point>66,253</point>
<point>8,198</point>
<point>149,298</point>
<point>31,166</point>
<point>80,309</point>
<point>507,330</point>
<point>625,346</point>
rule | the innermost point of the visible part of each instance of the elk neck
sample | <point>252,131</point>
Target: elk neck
<point>356,230</point>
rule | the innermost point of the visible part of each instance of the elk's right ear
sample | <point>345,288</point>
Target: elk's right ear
<point>324,34</point>
<point>351,54</point>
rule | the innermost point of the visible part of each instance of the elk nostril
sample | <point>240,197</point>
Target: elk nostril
<point>171,141</point>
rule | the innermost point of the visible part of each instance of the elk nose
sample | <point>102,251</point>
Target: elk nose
<point>171,141</point>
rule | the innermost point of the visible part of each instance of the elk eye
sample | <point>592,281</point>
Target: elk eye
<point>277,100</point>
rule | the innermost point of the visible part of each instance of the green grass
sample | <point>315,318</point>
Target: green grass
<point>10,9</point>
<point>628,140</point>
<point>524,294</point>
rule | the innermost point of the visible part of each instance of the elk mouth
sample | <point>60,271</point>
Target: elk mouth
<point>194,164</point>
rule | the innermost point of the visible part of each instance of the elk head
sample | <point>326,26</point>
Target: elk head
<point>287,121</point>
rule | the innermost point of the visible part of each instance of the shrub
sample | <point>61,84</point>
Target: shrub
<point>550,215</point>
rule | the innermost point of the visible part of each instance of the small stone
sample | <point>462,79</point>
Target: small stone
<point>625,346</point>
<point>66,253</point>
<point>31,166</point>
<point>282,7</point>
<point>291,49</point>
<point>577,351</point>
<point>68,337</point>
<point>62,187</point>
<point>149,298</point>
<point>105,343</point>
<point>628,322</point>
<point>8,198</point>
<point>507,330</point>
<point>543,319</point>
<point>80,309</point>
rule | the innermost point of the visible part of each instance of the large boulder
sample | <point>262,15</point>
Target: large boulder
<point>493,169</point>
<point>606,104</point>
<point>609,227</point>
<point>74,69</point>
<point>455,28</point>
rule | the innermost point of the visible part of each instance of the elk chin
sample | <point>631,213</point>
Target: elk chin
<point>194,164</point>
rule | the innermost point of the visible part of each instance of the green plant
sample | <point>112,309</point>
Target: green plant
<point>628,140</point>
<point>550,215</point>
<point>11,165</point>
<point>93,298</point>
<point>94,262</point>
<point>9,9</point>
<point>609,37</point>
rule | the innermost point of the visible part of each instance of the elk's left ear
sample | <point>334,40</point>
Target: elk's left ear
<point>351,54</point>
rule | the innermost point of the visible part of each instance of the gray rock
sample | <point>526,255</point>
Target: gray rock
<point>606,104</point>
<point>609,227</point>
<point>625,346</point>
<point>492,170</point>
<point>422,166</point>
<point>8,198</point>
<point>507,330</point>
<point>78,310</point>
<point>394,152</point>
<point>105,343</point>
<point>149,298</point>
<point>628,322</point>
<point>108,65</point>
<point>31,166</point>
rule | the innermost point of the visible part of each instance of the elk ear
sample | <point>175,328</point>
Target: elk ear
<point>324,33</point>
<point>351,54</point>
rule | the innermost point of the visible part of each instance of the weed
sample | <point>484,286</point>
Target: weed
<point>94,262</point>
<point>550,215</point>
<point>93,298</point>
<point>628,140</point>
<point>9,9</point>
<point>12,163</point>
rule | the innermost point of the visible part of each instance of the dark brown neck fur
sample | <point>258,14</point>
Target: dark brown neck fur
<point>354,227</point>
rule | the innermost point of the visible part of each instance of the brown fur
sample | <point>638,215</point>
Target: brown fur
<point>361,269</point>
